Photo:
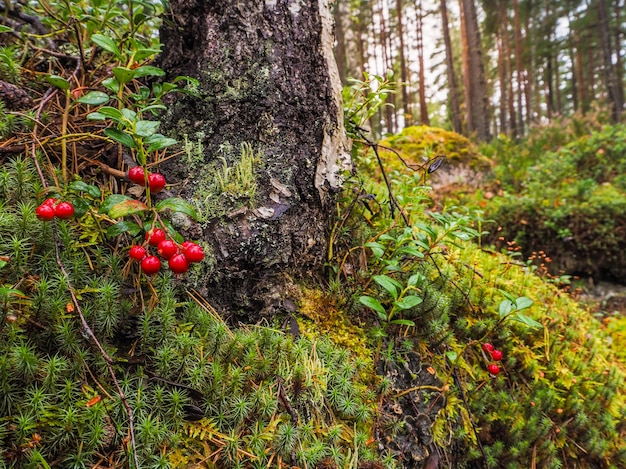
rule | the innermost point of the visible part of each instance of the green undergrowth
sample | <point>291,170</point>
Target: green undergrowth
<point>200,392</point>
<point>569,202</point>
<point>558,400</point>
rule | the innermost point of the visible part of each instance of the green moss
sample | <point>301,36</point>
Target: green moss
<point>221,188</point>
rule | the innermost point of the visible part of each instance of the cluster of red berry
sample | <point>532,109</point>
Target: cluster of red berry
<point>178,257</point>
<point>156,181</point>
<point>495,355</point>
<point>50,208</point>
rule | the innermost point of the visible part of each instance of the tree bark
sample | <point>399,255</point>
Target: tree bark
<point>453,93</point>
<point>268,79</point>
<point>476,96</point>
<point>610,74</point>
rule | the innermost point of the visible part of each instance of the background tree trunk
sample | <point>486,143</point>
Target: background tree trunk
<point>268,78</point>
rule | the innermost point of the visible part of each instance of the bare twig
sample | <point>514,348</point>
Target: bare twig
<point>393,202</point>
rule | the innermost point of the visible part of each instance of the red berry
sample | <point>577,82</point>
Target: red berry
<point>193,253</point>
<point>45,212</point>
<point>155,236</point>
<point>64,210</point>
<point>137,253</point>
<point>150,265</point>
<point>496,355</point>
<point>186,244</point>
<point>156,182</point>
<point>167,248</point>
<point>135,174</point>
<point>493,369</point>
<point>178,264</point>
<point>487,347</point>
<point>50,201</point>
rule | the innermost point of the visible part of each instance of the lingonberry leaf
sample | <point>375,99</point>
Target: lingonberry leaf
<point>148,71</point>
<point>403,322</point>
<point>176,204</point>
<point>123,74</point>
<point>374,304</point>
<point>94,98</point>
<point>81,186</point>
<point>112,200</point>
<point>145,128</point>
<point>388,284</point>
<point>158,142</point>
<point>530,322</point>
<point>128,207</point>
<point>129,227</point>
<point>106,43</point>
<point>59,82</point>
<point>120,137</point>
<point>408,302</point>
<point>80,206</point>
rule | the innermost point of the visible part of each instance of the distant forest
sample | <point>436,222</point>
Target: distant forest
<point>503,65</point>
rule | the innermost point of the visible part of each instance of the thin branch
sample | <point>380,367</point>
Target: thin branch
<point>393,202</point>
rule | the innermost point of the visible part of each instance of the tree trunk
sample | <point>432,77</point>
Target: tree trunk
<point>404,76</point>
<point>477,98</point>
<point>610,74</point>
<point>268,80</point>
<point>419,12</point>
<point>453,93</point>
<point>518,66</point>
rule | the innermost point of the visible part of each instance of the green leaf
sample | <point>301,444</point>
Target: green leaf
<point>128,207</point>
<point>123,227</point>
<point>112,200</point>
<point>408,302</point>
<point>95,98</point>
<point>120,137</point>
<point>111,113</point>
<point>7,292</point>
<point>58,81</point>
<point>523,302</point>
<point>5,29</point>
<point>145,128</point>
<point>403,322</point>
<point>176,204</point>
<point>415,280</point>
<point>452,356</point>
<point>80,206</point>
<point>411,251</point>
<point>388,284</point>
<point>111,84</point>
<point>530,322</point>
<point>106,43</point>
<point>123,74</point>
<point>377,249</point>
<point>141,54</point>
<point>2,263</point>
<point>374,304</point>
<point>81,186</point>
<point>96,116</point>
<point>506,306</point>
<point>129,114</point>
<point>158,142</point>
<point>149,71</point>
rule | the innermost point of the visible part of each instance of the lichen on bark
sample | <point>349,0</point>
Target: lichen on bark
<point>267,79</point>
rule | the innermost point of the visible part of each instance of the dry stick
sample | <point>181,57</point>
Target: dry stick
<point>393,203</point>
<point>109,362</point>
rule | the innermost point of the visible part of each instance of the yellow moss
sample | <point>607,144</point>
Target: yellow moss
<point>419,143</point>
<point>320,316</point>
